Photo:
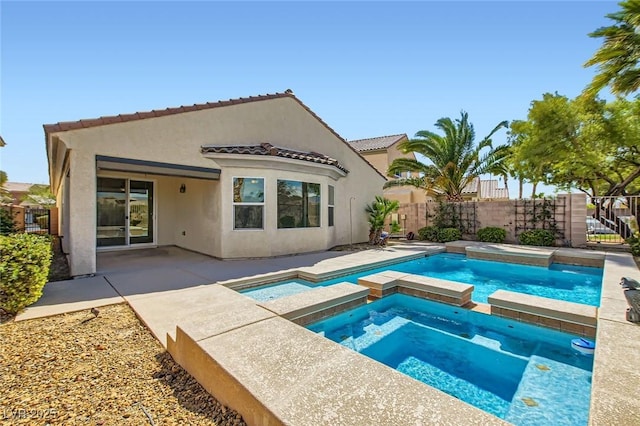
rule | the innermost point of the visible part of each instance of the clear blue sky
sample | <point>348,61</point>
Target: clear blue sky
<point>367,68</point>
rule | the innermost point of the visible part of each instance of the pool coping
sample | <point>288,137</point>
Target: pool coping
<point>612,396</point>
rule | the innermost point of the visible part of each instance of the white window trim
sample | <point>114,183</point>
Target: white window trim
<point>320,221</point>
<point>331,206</point>
<point>234,203</point>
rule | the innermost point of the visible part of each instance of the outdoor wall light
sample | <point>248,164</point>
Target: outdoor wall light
<point>183,188</point>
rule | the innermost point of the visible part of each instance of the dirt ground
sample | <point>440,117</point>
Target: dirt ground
<point>77,369</point>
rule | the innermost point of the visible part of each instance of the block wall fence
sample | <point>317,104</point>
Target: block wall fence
<point>570,218</point>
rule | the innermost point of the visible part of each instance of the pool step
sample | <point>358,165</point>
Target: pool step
<point>573,318</point>
<point>550,387</point>
<point>318,303</point>
<point>527,255</point>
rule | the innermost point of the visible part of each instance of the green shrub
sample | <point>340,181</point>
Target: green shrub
<point>537,237</point>
<point>394,228</point>
<point>24,266</point>
<point>436,235</point>
<point>6,222</point>
<point>634,243</point>
<point>491,234</point>
<point>449,234</point>
<point>428,233</point>
<point>43,221</point>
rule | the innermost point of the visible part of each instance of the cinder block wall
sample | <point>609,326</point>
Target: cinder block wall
<point>502,214</point>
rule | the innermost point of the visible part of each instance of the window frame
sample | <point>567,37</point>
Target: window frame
<point>331,206</point>
<point>319,204</point>
<point>234,204</point>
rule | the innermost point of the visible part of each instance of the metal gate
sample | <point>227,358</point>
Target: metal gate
<point>37,220</point>
<point>612,219</point>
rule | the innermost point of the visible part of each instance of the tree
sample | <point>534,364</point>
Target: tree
<point>5,197</point>
<point>378,212</point>
<point>41,195</point>
<point>584,143</point>
<point>518,163</point>
<point>455,160</point>
<point>618,57</point>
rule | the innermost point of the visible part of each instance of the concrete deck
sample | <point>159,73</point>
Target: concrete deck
<point>169,287</point>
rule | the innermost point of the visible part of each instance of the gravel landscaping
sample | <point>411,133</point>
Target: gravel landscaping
<point>106,370</point>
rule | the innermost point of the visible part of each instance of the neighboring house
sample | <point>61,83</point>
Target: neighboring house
<point>380,152</point>
<point>249,177</point>
<point>18,191</point>
<point>488,189</point>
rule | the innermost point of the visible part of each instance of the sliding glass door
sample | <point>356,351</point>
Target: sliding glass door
<point>124,212</point>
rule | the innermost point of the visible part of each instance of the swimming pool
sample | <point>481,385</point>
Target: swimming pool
<point>577,284</point>
<point>519,372</point>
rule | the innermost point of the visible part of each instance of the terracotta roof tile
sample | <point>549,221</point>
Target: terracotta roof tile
<point>268,149</point>
<point>381,142</point>
<point>73,125</point>
<point>83,124</point>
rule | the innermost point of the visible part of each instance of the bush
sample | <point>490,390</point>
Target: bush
<point>449,234</point>
<point>432,233</point>
<point>537,237</point>
<point>6,222</point>
<point>491,234</point>
<point>24,266</point>
<point>43,221</point>
<point>428,233</point>
<point>634,243</point>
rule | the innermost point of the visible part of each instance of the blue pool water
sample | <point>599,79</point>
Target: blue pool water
<point>577,284</point>
<point>524,374</point>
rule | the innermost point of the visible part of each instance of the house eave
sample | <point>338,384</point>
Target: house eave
<point>274,163</point>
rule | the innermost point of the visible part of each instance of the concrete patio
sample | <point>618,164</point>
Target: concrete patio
<point>169,287</point>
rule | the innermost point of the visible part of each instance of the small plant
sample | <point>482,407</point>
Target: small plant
<point>428,233</point>
<point>6,222</point>
<point>378,212</point>
<point>634,243</point>
<point>395,227</point>
<point>24,267</point>
<point>537,237</point>
<point>449,234</point>
<point>433,234</point>
<point>492,234</point>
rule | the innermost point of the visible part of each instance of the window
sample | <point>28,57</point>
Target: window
<point>248,203</point>
<point>331,205</point>
<point>298,204</point>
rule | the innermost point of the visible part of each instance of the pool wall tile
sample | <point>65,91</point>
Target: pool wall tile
<point>318,303</point>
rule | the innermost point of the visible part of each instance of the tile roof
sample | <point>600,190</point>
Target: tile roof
<point>122,118</point>
<point>489,189</point>
<point>486,189</point>
<point>472,187</point>
<point>17,186</point>
<point>268,149</point>
<point>380,142</point>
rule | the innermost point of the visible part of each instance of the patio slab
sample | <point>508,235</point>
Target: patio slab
<point>204,311</point>
<point>71,295</point>
<point>274,372</point>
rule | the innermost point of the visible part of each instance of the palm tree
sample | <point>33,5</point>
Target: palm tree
<point>456,162</point>
<point>378,212</point>
<point>618,57</point>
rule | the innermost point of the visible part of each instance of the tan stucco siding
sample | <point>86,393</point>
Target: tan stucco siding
<point>204,211</point>
<point>379,160</point>
<point>81,238</point>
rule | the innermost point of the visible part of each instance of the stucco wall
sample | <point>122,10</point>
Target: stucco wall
<point>177,139</point>
<point>502,214</point>
<point>378,159</point>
